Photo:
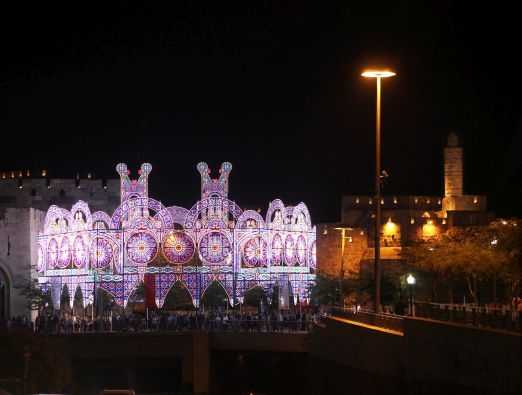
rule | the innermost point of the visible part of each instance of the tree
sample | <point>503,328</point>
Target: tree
<point>325,290</point>
<point>461,253</point>
<point>37,299</point>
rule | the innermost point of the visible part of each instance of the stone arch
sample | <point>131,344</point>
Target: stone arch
<point>5,293</point>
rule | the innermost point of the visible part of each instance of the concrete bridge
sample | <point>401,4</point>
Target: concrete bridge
<point>340,356</point>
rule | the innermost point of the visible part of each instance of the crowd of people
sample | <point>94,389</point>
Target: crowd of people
<point>276,321</point>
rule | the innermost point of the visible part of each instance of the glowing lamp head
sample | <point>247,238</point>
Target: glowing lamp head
<point>378,74</point>
<point>410,279</point>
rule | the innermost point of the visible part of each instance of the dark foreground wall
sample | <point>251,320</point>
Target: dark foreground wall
<point>339,358</point>
<point>427,357</point>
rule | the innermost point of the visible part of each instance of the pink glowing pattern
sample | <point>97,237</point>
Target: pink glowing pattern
<point>178,247</point>
<point>277,250</point>
<point>214,248</point>
<point>52,251</point>
<point>64,255</point>
<point>255,252</point>
<point>142,247</point>
<point>301,250</point>
<point>290,256</point>
<point>101,253</point>
<point>80,253</point>
<point>40,259</point>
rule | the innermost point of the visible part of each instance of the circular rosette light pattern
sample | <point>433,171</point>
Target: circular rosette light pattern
<point>277,250</point>
<point>142,248</point>
<point>214,248</point>
<point>301,250</point>
<point>52,253</point>
<point>255,252</point>
<point>101,253</point>
<point>80,253</point>
<point>313,255</point>
<point>64,255</point>
<point>178,247</point>
<point>290,255</point>
<point>40,259</point>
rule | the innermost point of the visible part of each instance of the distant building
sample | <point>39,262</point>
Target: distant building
<point>404,218</point>
<point>24,200</point>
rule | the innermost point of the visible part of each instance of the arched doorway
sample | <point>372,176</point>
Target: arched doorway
<point>215,297</point>
<point>178,298</point>
<point>4,295</point>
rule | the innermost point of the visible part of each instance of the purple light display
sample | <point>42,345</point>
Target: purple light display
<point>101,253</point>
<point>255,252</point>
<point>214,248</point>
<point>178,247</point>
<point>142,247</point>
<point>213,241</point>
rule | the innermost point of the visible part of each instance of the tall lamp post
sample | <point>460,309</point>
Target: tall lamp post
<point>341,277</point>
<point>378,75</point>
<point>410,280</point>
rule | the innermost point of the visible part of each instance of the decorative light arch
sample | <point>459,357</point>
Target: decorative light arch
<point>142,203</point>
<point>224,204</point>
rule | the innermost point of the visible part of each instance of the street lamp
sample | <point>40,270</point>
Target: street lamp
<point>341,277</point>
<point>378,75</point>
<point>410,280</point>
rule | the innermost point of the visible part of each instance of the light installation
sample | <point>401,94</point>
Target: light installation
<point>145,241</point>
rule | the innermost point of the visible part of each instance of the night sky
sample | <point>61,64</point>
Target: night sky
<point>274,89</point>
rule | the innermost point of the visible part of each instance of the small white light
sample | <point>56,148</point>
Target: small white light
<point>410,279</point>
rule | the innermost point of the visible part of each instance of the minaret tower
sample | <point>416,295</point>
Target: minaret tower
<point>453,168</point>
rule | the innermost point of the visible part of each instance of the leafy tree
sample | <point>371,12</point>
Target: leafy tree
<point>325,290</point>
<point>461,253</point>
<point>37,299</point>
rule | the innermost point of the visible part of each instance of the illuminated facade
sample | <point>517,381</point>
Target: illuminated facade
<point>145,241</point>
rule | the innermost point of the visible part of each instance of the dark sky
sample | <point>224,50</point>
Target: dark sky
<point>274,89</point>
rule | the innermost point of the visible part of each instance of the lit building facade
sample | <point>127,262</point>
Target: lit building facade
<point>404,218</point>
<point>143,240</point>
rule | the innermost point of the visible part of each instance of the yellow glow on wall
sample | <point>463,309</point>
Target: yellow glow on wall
<point>356,200</point>
<point>395,200</point>
<point>412,221</point>
<point>390,228</point>
<point>429,229</point>
<point>370,201</point>
<point>475,200</point>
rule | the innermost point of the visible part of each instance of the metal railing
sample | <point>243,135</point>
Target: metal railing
<point>385,321</point>
<point>503,317</point>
